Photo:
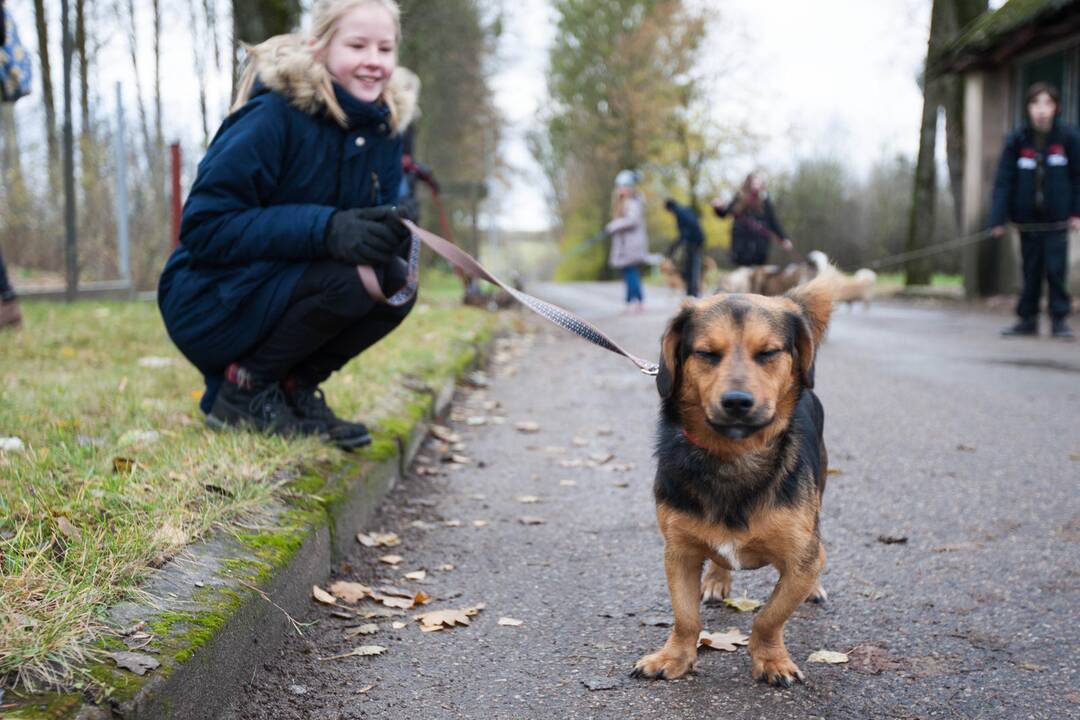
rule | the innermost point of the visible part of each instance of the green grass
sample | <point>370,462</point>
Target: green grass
<point>90,506</point>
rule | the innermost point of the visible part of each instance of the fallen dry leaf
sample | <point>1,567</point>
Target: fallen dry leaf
<point>827,656</point>
<point>956,547</point>
<point>725,641</point>
<point>452,523</point>
<point>531,520</point>
<point>459,459</point>
<point>364,690</point>
<point>528,499</point>
<point>322,596</point>
<point>398,625</point>
<point>350,592</point>
<point>416,575</point>
<point>480,523</point>
<point>834,471</point>
<point>362,651</point>
<point>510,622</point>
<point>377,613</point>
<point>742,604</point>
<point>365,629</point>
<point>137,663</point>
<point>442,619</point>
<point>527,426</point>
<point>445,434</point>
<point>445,567</point>
<point>123,465</point>
<point>391,559</point>
<point>378,539</point>
<point>67,528</point>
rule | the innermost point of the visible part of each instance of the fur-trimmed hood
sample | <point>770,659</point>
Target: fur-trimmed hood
<point>287,65</point>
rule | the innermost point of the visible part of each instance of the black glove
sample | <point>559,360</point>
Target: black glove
<point>371,236</point>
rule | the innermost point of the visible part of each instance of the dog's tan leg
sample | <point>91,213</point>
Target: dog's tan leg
<point>716,585</point>
<point>679,654</point>
<point>770,660</point>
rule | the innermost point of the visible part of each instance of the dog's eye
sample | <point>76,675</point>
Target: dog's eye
<point>709,357</point>
<point>766,355</point>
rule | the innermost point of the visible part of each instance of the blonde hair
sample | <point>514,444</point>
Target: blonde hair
<point>325,16</point>
<point>618,201</point>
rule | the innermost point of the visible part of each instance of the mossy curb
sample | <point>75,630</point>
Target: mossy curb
<point>218,610</point>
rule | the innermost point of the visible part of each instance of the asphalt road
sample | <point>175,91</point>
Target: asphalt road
<point>964,444</point>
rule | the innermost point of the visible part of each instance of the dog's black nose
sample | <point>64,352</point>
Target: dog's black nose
<point>737,403</point>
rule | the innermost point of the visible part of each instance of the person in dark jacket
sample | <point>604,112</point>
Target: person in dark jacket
<point>755,223</point>
<point>1038,183</point>
<point>295,191</point>
<point>10,315</point>
<point>692,240</point>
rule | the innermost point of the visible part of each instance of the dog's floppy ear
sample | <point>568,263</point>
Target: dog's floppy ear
<point>815,303</point>
<point>670,362</point>
<point>803,349</point>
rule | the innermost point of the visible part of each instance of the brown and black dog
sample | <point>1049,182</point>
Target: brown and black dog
<point>741,465</point>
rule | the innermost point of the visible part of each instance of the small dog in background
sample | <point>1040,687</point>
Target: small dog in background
<point>860,286</point>
<point>741,464</point>
<point>774,280</point>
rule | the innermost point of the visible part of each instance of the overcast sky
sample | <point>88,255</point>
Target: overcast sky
<point>830,76</point>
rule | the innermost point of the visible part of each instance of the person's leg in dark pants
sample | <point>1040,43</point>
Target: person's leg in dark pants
<point>1056,260</point>
<point>10,316</point>
<point>692,271</point>
<point>330,319</point>
<point>1033,266</point>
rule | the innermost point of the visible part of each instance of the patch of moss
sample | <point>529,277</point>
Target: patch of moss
<point>45,707</point>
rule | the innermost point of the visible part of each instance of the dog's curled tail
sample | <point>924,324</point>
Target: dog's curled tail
<point>816,299</point>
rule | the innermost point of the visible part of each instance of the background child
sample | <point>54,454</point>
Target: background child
<point>1038,181</point>
<point>262,295</point>
<point>629,240</point>
<point>692,240</point>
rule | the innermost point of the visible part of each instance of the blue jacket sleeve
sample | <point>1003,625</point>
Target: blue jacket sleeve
<point>1004,181</point>
<point>1073,151</point>
<point>228,218</point>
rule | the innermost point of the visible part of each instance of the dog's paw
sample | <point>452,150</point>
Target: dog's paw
<point>716,585</point>
<point>779,671</point>
<point>818,596</point>
<point>664,665</point>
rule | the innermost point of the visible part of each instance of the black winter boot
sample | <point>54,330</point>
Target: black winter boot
<point>1025,327</point>
<point>1060,329</point>
<point>260,406</point>
<point>309,404</point>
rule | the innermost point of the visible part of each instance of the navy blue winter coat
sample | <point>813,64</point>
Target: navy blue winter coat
<point>1015,187</point>
<point>258,212</point>
<point>689,226</point>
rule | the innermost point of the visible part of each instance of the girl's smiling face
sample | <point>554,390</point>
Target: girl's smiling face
<point>362,54</point>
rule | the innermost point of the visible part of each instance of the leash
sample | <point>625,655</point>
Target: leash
<point>467,264</point>
<point>963,241</point>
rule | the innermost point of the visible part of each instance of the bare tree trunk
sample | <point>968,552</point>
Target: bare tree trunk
<point>41,22</point>
<point>962,12</point>
<point>159,135</point>
<point>924,194</point>
<point>200,68</point>
<point>133,51</point>
<point>84,78</point>
<point>257,20</point>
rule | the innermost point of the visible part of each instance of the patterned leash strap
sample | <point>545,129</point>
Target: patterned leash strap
<point>461,259</point>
